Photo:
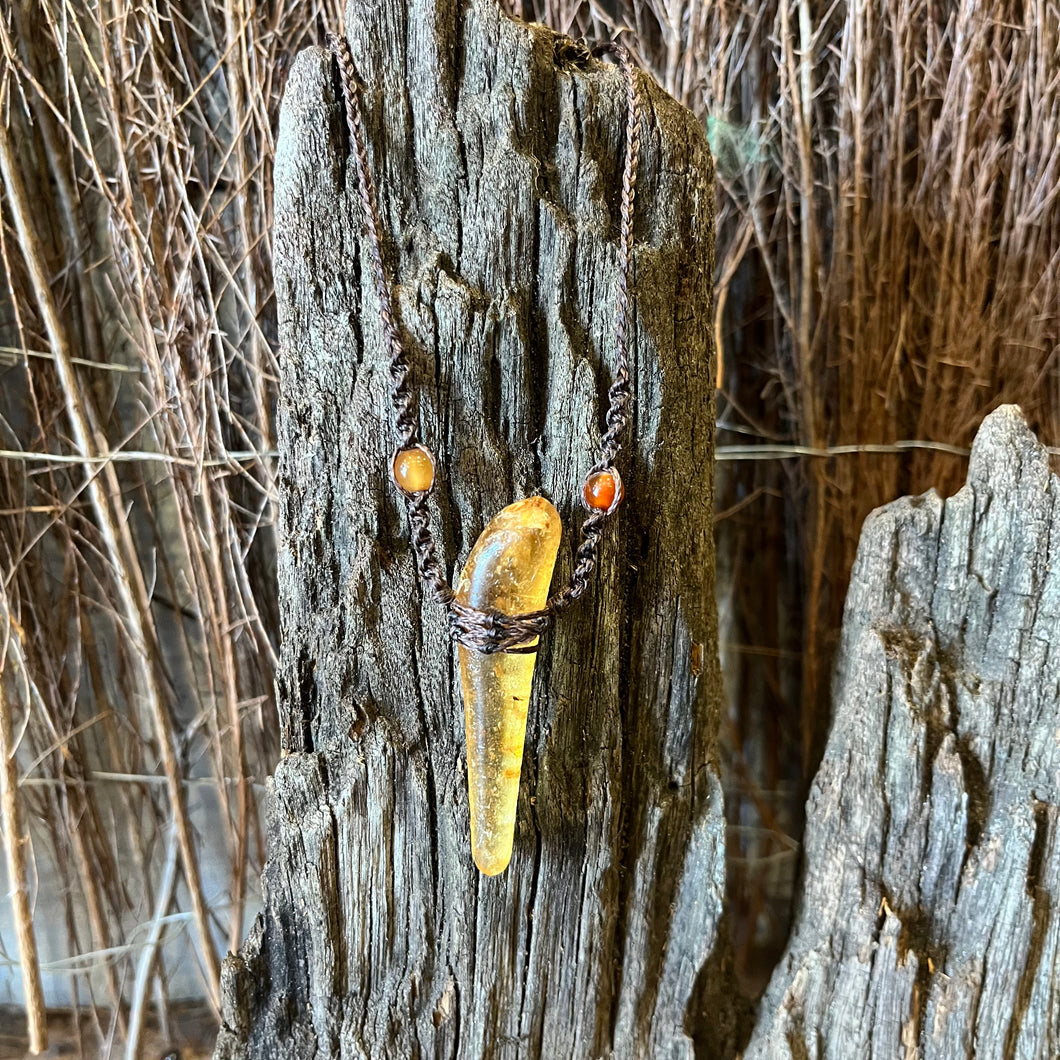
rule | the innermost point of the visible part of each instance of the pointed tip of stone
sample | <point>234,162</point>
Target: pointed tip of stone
<point>492,867</point>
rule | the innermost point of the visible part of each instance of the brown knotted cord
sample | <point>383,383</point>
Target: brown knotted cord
<point>491,631</point>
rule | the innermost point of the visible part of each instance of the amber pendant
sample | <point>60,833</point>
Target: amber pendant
<point>509,570</point>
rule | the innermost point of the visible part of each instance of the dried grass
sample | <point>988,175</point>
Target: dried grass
<point>889,231</point>
<point>137,316</point>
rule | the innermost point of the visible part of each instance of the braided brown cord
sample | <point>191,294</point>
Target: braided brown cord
<point>403,401</point>
<point>491,631</point>
<point>619,394</point>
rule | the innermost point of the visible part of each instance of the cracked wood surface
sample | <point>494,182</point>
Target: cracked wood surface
<point>929,924</point>
<point>497,149</point>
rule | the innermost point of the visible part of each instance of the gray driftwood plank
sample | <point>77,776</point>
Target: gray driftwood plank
<point>929,923</point>
<point>497,149</point>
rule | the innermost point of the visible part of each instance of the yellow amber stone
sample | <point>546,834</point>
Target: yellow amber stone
<point>509,570</point>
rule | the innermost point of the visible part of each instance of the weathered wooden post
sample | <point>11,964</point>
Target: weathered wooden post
<point>929,920</point>
<point>497,150</point>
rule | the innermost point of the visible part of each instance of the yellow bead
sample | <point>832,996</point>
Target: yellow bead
<point>414,469</point>
<point>509,570</point>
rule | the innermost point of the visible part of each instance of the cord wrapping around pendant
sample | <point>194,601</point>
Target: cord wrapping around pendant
<point>488,631</point>
<point>492,631</point>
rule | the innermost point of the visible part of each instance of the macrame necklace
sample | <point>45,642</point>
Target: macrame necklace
<point>501,605</point>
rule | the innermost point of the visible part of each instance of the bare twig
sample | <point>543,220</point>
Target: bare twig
<point>150,950</point>
<point>16,839</point>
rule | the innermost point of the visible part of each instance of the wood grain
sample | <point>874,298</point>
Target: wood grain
<point>928,923</point>
<point>497,149</point>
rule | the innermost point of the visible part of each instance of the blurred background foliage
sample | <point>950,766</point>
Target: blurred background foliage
<point>887,254</point>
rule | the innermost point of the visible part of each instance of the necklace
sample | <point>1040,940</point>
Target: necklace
<point>501,604</point>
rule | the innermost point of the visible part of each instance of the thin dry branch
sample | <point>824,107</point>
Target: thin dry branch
<point>16,840</point>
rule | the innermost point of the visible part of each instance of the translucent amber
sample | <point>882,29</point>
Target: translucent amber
<point>414,469</point>
<point>509,570</point>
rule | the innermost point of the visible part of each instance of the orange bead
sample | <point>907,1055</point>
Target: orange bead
<point>603,491</point>
<point>414,470</point>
